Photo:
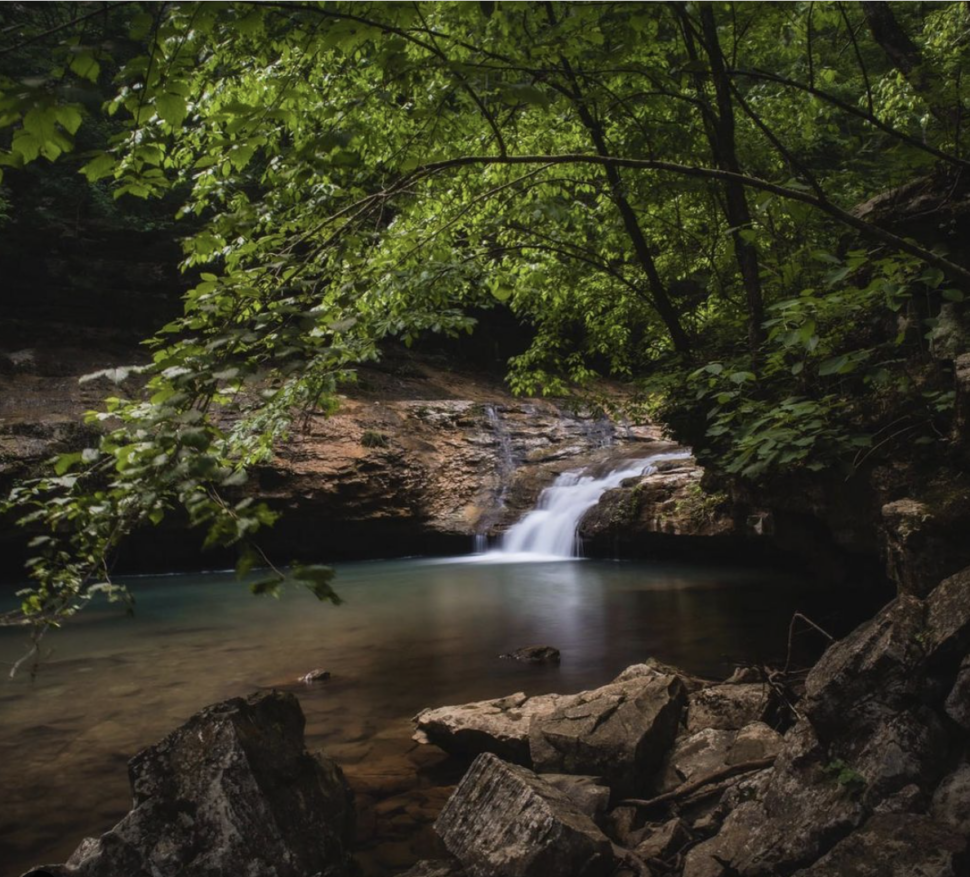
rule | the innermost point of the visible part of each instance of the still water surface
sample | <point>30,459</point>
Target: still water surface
<point>412,633</point>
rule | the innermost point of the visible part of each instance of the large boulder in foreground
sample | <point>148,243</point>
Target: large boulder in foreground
<point>620,732</point>
<point>499,726</point>
<point>504,821</point>
<point>233,791</point>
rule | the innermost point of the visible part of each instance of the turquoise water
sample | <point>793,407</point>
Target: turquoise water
<point>412,633</point>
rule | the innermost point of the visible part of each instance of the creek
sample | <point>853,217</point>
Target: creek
<point>412,633</point>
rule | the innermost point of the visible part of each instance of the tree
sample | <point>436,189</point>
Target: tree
<point>639,182</point>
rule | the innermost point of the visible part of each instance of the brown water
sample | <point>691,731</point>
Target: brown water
<point>413,633</point>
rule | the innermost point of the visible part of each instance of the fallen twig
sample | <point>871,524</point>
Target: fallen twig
<point>791,634</point>
<point>692,786</point>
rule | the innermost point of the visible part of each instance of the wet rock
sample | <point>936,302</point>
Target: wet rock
<point>435,869</point>
<point>315,676</point>
<point>727,707</point>
<point>951,801</point>
<point>620,732</point>
<point>505,821</point>
<point>233,791</point>
<point>895,845</point>
<point>500,726</point>
<point>587,793</point>
<point>534,655</point>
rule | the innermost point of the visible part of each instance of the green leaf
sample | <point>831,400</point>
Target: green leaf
<point>171,108</point>
<point>317,579</point>
<point>65,462</point>
<point>832,365</point>
<point>99,167</point>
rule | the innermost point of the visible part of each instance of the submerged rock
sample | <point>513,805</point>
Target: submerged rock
<point>620,732</point>
<point>500,726</point>
<point>315,676</point>
<point>534,655</point>
<point>504,821</point>
<point>232,791</point>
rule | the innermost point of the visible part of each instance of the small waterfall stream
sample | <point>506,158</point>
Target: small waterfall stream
<point>550,529</point>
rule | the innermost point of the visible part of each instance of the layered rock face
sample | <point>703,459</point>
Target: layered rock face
<point>233,791</point>
<point>417,459</point>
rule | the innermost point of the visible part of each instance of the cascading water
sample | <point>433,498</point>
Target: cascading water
<point>550,530</point>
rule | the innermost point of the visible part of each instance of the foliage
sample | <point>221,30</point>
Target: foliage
<point>657,189</point>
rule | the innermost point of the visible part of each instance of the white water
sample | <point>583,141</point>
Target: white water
<point>549,531</point>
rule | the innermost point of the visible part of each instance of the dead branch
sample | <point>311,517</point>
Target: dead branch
<point>687,788</point>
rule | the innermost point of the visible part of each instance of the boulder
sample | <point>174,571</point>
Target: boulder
<point>500,726</point>
<point>905,748</point>
<point>895,845</point>
<point>951,801</point>
<point>712,750</point>
<point>233,791</point>
<point>586,793</point>
<point>869,674</point>
<point>695,756</point>
<point>727,706</point>
<point>707,858</point>
<point>662,841</point>
<point>535,655</point>
<point>801,807</point>
<point>620,732</point>
<point>317,675</point>
<point>651,668</point>
<point>754,742</point>
<point>958,701</point>
<point>505,821</point>
<point>947,635</point>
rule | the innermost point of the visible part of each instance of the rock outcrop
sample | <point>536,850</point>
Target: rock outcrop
<point>233,791</point>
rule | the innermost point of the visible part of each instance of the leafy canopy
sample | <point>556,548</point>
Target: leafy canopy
<point>658,190</point>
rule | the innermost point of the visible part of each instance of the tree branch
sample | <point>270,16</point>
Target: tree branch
<point>871,231</point>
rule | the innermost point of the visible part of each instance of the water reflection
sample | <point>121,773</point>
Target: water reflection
<point>411,634</point>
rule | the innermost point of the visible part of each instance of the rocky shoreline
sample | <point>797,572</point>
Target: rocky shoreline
<point>857,767</point>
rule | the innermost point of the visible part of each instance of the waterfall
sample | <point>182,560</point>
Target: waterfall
<point>550,529</point>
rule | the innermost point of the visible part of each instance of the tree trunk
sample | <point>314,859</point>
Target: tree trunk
<point>721,131</point>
